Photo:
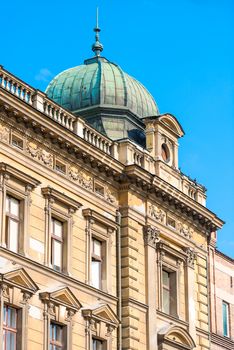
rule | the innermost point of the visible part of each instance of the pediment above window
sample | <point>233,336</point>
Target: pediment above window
<point>19,278</point>
<point>62,296</point>
<point>101,313</point>
<point>172,123</point>
<point>176,338</point>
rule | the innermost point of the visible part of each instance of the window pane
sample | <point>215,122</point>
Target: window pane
<point>10,340</point>
<point>11,322</point>
<point>7,204</point>
<point>96,274</point>
<point>166,301</point>
<point>14,207</point>
<point>97,344</point>
<point>166,279</point>
<point>13,235</point>
<point>58,228</point>
<point>225,319</point>
<point>97,247</point>
<point>57,254</point>
<point>4,314</point>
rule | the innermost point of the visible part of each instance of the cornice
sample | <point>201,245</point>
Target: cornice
<point>85,152</point>
<point>9,170</point>
<point>51,193</point>
<point>95,216</point>
<point>224,342</point>
<point>66,279</point>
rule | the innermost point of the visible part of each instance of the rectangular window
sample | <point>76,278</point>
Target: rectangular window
<point>17,142</point>
<point>61,167</point>
<point>57,338</point>
<point>57,244</point>
<point>12,223</point>
<point>225,319</point>
<point>9,340</point>
<point>171,222</point>
<point>96,264</point>
<point>98,344</point>
<point>169,302</point>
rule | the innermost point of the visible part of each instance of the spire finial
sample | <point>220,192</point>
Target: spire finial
<point>97,47</point>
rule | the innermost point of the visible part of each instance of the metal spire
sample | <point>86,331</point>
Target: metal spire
<point>97,47</point>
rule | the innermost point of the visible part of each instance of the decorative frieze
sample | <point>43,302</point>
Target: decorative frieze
<point>45,155</point>
<point>4,133</point>
<point>185,230</point>
<point>156,213</point>
<point>151,235</point>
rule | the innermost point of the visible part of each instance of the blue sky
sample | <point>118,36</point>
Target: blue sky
<point>182,51</point>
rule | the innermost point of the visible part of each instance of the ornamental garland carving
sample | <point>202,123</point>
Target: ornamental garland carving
<point>110,197</point>
<point>81,177</point>
<point>156,213</point>
<point>185,230</point>
<point>36,152</point>
<point>45,155</point>
<point>151,235</point>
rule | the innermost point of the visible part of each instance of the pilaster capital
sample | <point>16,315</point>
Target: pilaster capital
<point>151,235</point>
<point>191,256</point>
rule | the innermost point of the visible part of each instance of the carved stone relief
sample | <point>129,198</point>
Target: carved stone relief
<point>4,133</point>
<point>151,235</point>
<point>185,230</point>
<point>156,213</point>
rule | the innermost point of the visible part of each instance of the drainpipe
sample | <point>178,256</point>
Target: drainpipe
<point>118,274</point>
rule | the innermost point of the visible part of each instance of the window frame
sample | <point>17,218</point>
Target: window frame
<point>16,184</point>
<point>102,229</point>
<point>53,238</point>
<point>18,219</point>
<point>173,305</point>
<point>224,303</point>
<point>6,328</point>
<point>98,258</point>
<point>103,343</point>
<point>63,343</point>
<point>60,207</point>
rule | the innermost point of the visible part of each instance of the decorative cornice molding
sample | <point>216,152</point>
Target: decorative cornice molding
<point>10,171</point>
<point>51,193</point>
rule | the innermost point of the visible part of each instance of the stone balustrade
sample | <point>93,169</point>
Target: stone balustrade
<point>15,86</point>
<point>60,115</point>
<point>97,139</point>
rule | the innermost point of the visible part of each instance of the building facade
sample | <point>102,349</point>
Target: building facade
<point>103,241</point>
<point>221,299</point>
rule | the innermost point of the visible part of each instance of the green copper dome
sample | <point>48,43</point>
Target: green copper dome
<point>100,82</point>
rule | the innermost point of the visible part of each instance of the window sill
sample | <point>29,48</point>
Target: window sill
<point>175,319</point>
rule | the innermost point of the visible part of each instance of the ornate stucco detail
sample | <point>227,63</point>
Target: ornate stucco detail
<point>151,235</point>
<point>191,256</point>
<point>185,230</point>
<point>110,197</point>
<point>156,213</point>
<point>81,177</point>
<point>4,133</point>
<point>40,154</point>
<point>46,158</point>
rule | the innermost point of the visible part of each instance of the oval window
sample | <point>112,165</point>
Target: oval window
<point>165,153</point>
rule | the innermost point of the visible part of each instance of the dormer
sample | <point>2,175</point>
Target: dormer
<point>162,134</point>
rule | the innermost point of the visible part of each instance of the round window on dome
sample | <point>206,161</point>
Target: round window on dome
<point>165,153</point>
